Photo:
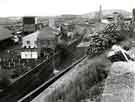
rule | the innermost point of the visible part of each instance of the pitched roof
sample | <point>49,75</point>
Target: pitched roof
<point>47,33</point>
<point>5,33</point>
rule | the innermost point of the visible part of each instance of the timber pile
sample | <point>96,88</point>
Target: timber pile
<point>113,33</point>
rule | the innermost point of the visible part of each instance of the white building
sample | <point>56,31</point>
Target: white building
<point>105,21</point>
<point>30,41</point>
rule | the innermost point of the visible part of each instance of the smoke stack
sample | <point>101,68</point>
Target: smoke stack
<point>100,13</point>
<point>134,14</point>
<point>52,22</point>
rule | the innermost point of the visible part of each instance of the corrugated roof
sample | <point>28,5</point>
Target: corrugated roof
<point>47,33</point>
<point>5,33</point>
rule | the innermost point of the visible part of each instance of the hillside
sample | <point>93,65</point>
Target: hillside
<point>107,13</point>
<point>67,17</point>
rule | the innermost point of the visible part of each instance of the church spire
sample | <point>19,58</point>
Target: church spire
<point>100,13</point>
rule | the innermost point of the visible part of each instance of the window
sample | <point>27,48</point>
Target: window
<point>28,42</point>
<point>36,42</point>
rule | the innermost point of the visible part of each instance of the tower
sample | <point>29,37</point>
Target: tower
<point>100,13</point>
<point>133,13</point>
<point>52,22</point>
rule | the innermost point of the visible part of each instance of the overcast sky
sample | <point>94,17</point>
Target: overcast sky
<point>58,7</point>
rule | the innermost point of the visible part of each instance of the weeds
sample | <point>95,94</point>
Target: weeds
<point>79,87</point>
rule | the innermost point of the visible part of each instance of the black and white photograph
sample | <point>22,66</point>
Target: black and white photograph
<point>67,51</point>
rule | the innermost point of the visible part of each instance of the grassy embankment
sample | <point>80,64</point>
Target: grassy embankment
<point>74,85</point>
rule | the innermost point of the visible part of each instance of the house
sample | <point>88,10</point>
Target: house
<point>30,46</point>
<point>5,37</point>
<point>30,41</point>
<point>47,38</point>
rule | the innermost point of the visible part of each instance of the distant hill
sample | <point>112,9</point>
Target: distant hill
<point>67,17</point>
<point>107,13</point>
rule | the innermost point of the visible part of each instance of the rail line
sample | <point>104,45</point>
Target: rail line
<point>40,74</point>
<point>45,85</point>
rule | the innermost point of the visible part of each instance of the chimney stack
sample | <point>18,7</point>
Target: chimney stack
<point>52,22</point>
<point>133,14</point>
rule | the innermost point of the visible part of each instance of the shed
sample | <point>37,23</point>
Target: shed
<point>47,37</point>
<point>5,33</point>
<point>5,38</point>
<point>30,41</point>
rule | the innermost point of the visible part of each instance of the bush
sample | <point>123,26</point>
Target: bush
<point>80,88</point>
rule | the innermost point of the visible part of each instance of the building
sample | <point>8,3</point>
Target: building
<point>118,17</point>
<point>100,13</point>
<point>5,37</point>
<point>52,23</point>
<point>133,13</point>
<point>30,41</point>
<point>128,20</point>
<point>106,21</point>
<point>39,41</point>
<point>29,24</point>
<point>30,48</point>
<point>47,38</point>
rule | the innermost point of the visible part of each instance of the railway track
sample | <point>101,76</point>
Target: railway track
<point>40,74</point>
<point>45,85</point>
<point>99,45</point>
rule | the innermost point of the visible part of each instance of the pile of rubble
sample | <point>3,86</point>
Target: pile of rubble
<point>112,34</point>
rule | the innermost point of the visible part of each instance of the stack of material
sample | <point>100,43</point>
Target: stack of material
<point>112,34</point>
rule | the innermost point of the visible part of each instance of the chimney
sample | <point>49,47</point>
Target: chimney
<point>52,22</point>
<point>133,15</point>
<point>100,13</point>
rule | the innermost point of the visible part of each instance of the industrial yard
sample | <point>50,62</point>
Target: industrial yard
<point>68,58</point>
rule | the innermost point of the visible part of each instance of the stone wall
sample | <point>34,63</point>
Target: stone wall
<point>120,83</point>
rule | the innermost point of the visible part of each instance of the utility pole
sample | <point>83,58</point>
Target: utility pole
<point>55,71</point>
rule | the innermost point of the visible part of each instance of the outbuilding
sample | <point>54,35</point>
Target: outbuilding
<point>5,37</point>
<point>47,38</point>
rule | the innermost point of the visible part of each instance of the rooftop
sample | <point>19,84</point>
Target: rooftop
<point>47,33</point>
<point>5,33</point>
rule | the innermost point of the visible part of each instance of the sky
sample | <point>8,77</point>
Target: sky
<point>58,7</point>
